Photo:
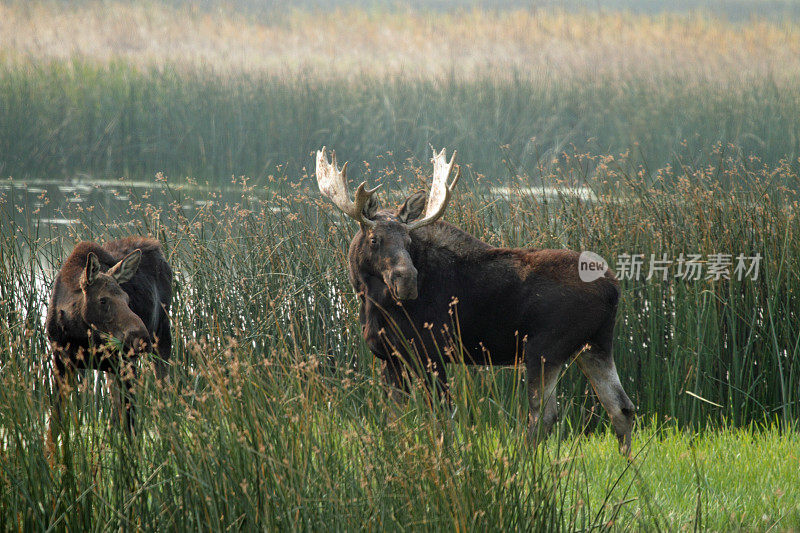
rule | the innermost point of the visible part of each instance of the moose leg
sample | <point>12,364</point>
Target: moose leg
<point>121,380</point>
<point>392,372</point>
<point>115,391</point>
<point>54,427</point>
<point>130,406</point>
<point>127,377</point>
<point>598,365</point>
<point>589,410</point>
<point>542,407</point>
<point>163,342</point>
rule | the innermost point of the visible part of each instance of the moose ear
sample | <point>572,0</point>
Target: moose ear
<point>125,269</point>
<point>412,207</point>
<point>91,270</point>
<point>370,208</point>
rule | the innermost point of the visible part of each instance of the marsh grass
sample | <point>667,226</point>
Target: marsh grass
<point>67,119</point>
<point>274,414</point>
<point>114,89</point>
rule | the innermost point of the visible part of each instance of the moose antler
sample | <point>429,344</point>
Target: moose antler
<point>440,191</point>
<point>333,184</point>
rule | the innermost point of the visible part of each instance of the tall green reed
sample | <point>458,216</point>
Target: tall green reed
<point>65,119</point>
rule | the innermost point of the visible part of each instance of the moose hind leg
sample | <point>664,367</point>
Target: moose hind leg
<point>542,406</point>
<point>164,348</point>
<point>599,368</point>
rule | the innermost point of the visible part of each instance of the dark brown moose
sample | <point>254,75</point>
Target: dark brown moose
<point>121,290</point>
<point>431,293</point>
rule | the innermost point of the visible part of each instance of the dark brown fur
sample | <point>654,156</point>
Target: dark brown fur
<point>79,316</point>
<point>486,305</point>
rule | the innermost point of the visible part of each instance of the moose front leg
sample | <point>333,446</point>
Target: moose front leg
<point>121,382</point>
<point>163,344</point>
<point>130,406</point>
<point>64,383</point>
<point>393,376</point>
<point>55,425</point>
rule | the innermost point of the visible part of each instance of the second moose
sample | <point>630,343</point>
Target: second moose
<point>122,290</point>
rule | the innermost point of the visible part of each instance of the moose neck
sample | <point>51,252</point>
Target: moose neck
<point>443,237</point>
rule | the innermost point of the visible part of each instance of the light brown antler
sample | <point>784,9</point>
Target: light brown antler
<point>333,184</point>
<point>440,191</point>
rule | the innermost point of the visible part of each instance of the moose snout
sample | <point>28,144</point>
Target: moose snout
<point>137,339</point>
<point>403,282</point>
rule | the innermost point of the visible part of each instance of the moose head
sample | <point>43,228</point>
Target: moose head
<point>103,305</point>
<point>382,244</point>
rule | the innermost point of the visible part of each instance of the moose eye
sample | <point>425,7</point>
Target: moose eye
<point>104,301</point>
<point>373,241</point>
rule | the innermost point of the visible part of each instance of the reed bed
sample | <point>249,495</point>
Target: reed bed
<point>111,89</point>
<point>421,43</point>
<point>275,415</point>
<point>62,120</point>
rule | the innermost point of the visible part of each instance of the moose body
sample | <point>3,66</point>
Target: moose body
<point>121,289</point>
<point>431,293</point>
<point>500,301</point>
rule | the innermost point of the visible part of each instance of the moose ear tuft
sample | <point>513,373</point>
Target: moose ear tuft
<point>125,269</point>
<point>412,208</point>
<point>90,271</point>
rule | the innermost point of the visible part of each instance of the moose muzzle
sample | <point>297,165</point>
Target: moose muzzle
<point>137,340</point>
<point>403,283</point>
<point>133,333</point>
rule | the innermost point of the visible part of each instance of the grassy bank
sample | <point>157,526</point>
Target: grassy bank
<point>411,43</point>
<point>275,414</point>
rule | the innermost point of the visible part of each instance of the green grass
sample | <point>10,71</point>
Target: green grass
<point>275,414</point>
<point>719,480</point>
<point>64,119</point>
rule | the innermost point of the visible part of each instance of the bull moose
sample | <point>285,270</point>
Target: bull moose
<point>121,289</point>
<point>431,293</point>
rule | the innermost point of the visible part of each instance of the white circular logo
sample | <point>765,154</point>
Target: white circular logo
<point>591,266</point>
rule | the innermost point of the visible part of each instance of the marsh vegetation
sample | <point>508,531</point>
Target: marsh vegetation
<point>682,132</point>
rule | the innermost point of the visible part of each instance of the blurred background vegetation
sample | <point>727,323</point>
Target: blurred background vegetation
<point>211,90</point>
